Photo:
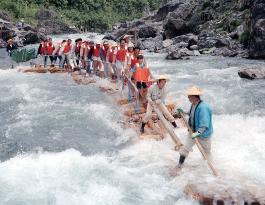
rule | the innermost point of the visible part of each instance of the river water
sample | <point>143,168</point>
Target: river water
<point>62,144</point>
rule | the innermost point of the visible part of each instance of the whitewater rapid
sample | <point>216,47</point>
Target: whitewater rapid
<point>62,144</point>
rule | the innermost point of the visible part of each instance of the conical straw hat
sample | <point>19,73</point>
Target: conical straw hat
<point>162,77</point>
<point>194,91</point>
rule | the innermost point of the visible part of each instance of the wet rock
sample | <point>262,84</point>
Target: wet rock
<point>190,39</point>
<point>252,73</point>
<point>147,32</point>
<point>166,43</point>
<point>180,54</point>
<point>223,52</point>
<point>3,43</point>
<point>194,47</point>
<point>151,44</point>
<point>30,38</point>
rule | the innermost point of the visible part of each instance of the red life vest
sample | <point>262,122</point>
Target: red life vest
<point>141,74</point>
<point>42,48</point>
<point>78,47</point>
<point>111,55</point>
<point>58,49</point>
<point>67,48</point>
<point>96,52</point>
<point>49,49</point>
<point>121,54</point>
<point>134,60</point>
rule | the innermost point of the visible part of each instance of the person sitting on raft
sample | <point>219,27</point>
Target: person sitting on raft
<point>156,97</point>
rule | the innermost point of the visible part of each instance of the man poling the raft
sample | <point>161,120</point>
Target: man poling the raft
<point>199,125</point>
<point>156,97</point>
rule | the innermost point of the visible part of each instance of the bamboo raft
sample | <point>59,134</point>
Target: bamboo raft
<point>158,130</point>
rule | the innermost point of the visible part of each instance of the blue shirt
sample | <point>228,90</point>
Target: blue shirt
<point>202,120</point>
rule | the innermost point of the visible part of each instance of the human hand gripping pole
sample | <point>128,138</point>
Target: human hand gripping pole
<point>205,156</point>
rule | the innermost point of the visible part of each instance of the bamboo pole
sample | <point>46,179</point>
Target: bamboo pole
<point>167,126</point>
<point>205,156</point>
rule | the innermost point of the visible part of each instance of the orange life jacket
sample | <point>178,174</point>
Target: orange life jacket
<point>67,48</point>
<point>42,48</point>
<point>58,49</point>
<point>96,52</point>
<point>121,54</point>
<point>49,49</point>
<point>141,74</point>
<point>134,60</point>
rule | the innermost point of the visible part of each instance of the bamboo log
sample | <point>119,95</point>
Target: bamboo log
<point>167,126</point>
<point>205,156</point>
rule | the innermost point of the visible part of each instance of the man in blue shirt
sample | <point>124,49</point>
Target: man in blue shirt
<point>200,121</point>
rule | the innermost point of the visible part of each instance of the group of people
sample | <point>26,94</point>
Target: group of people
<point>105,58</point>
<point>116,61</point>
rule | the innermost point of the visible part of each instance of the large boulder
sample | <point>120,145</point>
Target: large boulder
<point>252,73</point>
<point>182,53</point>
<point>257,36</point>
<point>151,44</point>
<point>52,24</point>
<point>178,20</point>
<point>3,43</point>
<point>30,37</point>
<point>147,32</point>
<point>165,9</point>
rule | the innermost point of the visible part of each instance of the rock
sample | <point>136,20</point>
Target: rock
<point>177,22</point>
<point>194,47</point>
<point>252,73</point>
<point>30,38</point>
<point>190,39</point>
<point>257,36</point>
<point>196,53</point>
<point>28,27</point>
<point>165,9</point>
<point>52,24</point>
<point>4,15</point>
<point>151,44</point>
<point>223,52</point>
<point>179,54</point>
<point>166,43</point>
<point>3,44</point>
<point>147,32</point>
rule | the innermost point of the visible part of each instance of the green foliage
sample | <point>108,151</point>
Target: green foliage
<point>90,14</point>
<point>244,37</point>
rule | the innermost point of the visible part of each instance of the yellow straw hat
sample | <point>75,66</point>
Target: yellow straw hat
<point>162,77</point>
<point>194,91</point>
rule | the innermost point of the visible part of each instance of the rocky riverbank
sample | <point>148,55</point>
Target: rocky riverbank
<point>184,28</point>
<point>24,34</point>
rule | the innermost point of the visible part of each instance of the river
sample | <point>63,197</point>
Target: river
<point>62,144</point>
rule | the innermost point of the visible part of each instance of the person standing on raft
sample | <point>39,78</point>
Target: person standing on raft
<point>156,97</point>
<point>200,121</point>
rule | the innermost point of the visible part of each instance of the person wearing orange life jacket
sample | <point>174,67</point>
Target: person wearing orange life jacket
<point>141,75</point>
<point>133,61</point>
<point>121,58</point>
<point>57,51</point>
<point>104,57</point>
<point>77,47</point>
<point>97,66</point>
<point>111,58</point>
<point>84,54</point>
<point>41,52</point>
<point>66,52</point>
<point>48,52</point>
<point>89,62</point>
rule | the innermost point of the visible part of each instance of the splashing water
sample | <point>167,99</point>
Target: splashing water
<point>61,143</point>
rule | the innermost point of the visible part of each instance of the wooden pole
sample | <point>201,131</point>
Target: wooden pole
<point>167,126</point>
<point>205,156</point>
